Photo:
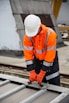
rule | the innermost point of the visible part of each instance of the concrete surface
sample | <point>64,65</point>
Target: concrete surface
<point>63,54</point>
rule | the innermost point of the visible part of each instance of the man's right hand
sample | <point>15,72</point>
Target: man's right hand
<point>33,76</point>
<point>40,76</point>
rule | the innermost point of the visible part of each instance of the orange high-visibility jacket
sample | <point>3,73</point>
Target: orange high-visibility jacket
<point>43,46</point>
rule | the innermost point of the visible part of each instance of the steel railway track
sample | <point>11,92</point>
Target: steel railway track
<point>21,72</point>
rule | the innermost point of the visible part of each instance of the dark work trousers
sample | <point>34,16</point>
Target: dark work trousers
<point>53,69</point>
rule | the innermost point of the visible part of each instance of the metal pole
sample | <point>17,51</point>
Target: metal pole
<point>12,91</point>
<point>60,97</point>
<point>4,82</point>
<point>34,96</point>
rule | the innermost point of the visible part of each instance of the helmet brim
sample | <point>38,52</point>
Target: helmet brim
<point>31,34</point>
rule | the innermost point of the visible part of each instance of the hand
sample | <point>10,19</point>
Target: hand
<point>33,76</point>
<point>40,76</point>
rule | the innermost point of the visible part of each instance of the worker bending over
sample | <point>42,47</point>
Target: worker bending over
<point>40,51</point>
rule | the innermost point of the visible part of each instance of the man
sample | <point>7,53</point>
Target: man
<point>40,51</point>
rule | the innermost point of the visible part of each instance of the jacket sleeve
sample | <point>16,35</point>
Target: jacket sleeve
<point>28,52</point>
<point>51,51</point>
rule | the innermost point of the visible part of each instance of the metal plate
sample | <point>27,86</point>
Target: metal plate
<point>18,90</point>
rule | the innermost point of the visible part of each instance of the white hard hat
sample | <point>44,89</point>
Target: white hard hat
<point>32,24</point>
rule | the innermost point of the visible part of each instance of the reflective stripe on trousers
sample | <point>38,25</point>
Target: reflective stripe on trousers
<point>51,76</point>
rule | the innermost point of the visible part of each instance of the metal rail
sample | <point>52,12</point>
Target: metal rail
<point>16,70</point>
<point>4,82</point>
<point>34,96</point>
<point>11,91</point>
<point>64,92</point>
<point>59,98</point>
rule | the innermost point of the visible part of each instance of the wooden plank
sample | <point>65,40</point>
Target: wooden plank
<point>14,71</point>
<point>63,27</point>
<point>64,81</point>
<point>56,7</point>
<point>19,62</point>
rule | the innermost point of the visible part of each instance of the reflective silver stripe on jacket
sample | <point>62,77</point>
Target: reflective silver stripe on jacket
<point>47,35</point>
<point>44,49</point>
<point>28,48</point>
<point>47,64</point>
<point>50,30</point>
<point>51,48</point>
<point>29,62</point>
<point>41,51</point>
<point>52,75</point>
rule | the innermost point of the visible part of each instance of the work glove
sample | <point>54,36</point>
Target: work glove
<point>33,76</point>
<point>40,76</point>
